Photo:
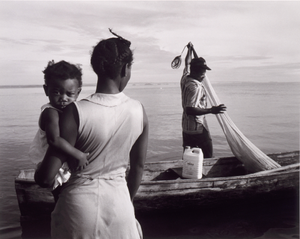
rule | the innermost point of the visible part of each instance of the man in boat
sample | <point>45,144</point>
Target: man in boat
<point>195,132</point>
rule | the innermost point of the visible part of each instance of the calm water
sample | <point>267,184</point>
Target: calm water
<point>267,113</point>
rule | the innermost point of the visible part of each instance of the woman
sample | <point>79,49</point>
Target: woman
<point>113,129</point>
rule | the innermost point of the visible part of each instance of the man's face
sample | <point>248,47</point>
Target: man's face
<point>202,72</point>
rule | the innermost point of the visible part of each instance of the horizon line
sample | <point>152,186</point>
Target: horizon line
<point>144,83</point>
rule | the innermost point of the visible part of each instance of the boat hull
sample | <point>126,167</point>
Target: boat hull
<point>163,188</point>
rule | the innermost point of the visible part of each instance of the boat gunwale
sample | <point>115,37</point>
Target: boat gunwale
<point>260,174</point>
<point>229,178</point>
<point>246,176</point>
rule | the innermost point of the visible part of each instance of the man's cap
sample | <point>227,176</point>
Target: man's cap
<point>200,62</point>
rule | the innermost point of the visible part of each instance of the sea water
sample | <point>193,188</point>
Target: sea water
<point>267,113</point>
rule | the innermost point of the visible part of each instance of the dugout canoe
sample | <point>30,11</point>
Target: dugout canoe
<point>163,188</point>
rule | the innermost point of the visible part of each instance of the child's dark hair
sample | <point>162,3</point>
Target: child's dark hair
<point>110,55</point>
<point>62,70</point>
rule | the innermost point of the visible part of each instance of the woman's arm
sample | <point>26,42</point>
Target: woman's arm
<point>137,159</point>
<point>53,160</point>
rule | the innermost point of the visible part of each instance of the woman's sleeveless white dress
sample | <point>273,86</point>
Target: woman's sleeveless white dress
<point>95,203</point>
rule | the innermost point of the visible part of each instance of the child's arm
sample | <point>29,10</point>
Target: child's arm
<point>50,121</point>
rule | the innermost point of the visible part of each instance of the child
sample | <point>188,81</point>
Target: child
<point>62,87</point>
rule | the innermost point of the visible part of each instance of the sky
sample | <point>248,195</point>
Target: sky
<point>242,41</point>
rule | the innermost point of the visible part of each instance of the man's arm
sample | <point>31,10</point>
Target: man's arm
<point>137,159</point>
<point>53,160</point>
<point>198,111</point>
<point>188,59</point>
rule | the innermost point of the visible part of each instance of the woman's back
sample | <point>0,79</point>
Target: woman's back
<point>109,124</point>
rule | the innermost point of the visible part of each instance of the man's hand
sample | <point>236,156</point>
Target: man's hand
<point>218,109</point>
<point>189,45</point>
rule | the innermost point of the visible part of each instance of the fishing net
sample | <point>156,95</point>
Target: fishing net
<point>253,158</point>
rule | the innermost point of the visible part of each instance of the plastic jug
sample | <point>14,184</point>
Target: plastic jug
<point>192,163</point>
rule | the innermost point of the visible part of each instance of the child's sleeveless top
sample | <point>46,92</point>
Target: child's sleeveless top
<point>39,147</point>
<point>39,144</point>
<point>109,125</point>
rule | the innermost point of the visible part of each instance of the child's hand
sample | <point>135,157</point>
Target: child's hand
<point>83,161</point>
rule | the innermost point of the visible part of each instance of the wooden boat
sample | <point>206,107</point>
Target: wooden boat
<point>163,188</point>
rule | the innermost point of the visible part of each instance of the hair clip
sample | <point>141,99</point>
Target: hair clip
<point>126,42</point>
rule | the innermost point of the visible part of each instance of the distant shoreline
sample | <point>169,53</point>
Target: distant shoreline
<point>150,83</point>
<point>94,85</point>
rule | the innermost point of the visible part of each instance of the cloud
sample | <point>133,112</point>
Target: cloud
<point>233,36</point>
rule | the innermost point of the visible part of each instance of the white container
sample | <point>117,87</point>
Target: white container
<point>192,163</point>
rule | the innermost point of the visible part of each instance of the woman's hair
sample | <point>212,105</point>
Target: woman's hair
<point>110,55</point>
<point>62,70</point>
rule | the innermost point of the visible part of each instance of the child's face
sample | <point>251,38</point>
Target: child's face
<point>62,92</point>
